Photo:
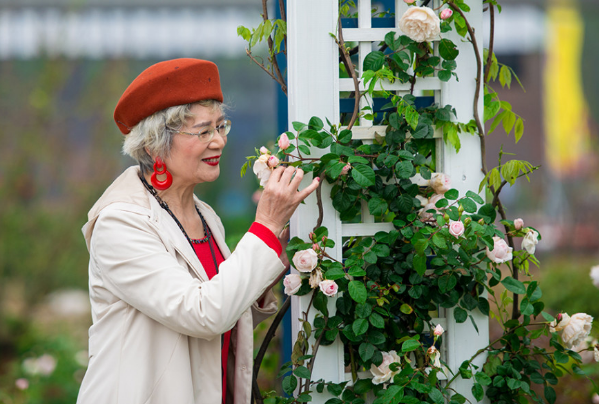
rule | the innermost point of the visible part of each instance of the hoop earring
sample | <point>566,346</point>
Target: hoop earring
<point>160,169</point>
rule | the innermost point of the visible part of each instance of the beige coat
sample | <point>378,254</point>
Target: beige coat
<point>157,319</point>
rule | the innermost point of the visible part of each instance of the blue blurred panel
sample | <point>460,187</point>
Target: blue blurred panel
<point>346,105</point>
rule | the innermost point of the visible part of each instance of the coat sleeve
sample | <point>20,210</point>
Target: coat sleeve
<point>134,264</point>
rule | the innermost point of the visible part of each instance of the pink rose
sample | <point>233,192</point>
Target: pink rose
<point>409,1</point>
<point>518,224</point>
<point>456,228</point>
<point>346,169</point>
<point>283,141</point>
<point>329,288</point>
<point>438,330</point>
<point>440,183</point>
<point>305,260</point>
<point>22,384</point>
<point>445,14</point>
<point>292,283</point>
<point>264,150</point>
<point>501,251</point>
<point>273,161</point>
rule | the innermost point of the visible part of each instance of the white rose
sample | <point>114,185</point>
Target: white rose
<point>577,328</point>
<point>305,260</point>
<point>383,373</point>
<point>595,275</point>
<point>328,287</point>
<point>262,170</point>
<point>420,24</point>
<point>501,252</point>
<point>315,278</point>
<point>438,330</point>
<point>530,241</point>
<point>440,183</point>
<point>292,283</point>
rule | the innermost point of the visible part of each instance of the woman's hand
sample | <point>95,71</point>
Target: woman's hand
<point>281,197</point>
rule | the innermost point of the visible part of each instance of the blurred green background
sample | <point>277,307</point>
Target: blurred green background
<point>63,66</point>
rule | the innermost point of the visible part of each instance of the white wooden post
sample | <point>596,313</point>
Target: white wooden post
<point>314,86</point>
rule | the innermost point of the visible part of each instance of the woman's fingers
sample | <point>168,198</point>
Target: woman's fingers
<point>309,189</point>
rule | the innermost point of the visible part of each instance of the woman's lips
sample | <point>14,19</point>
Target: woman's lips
<point>212,161</point>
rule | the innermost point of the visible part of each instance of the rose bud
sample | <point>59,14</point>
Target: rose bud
<point>481,221</point>
<point>283,141</point>
<point>346,169</point>
<point>409,1</point>
<point>518,224</point>
<point>467,220</point>
<point>445,14</point>
<point>311,235</point>
<point>315,247</point>
<point>324,238</point>
<point>273,161</point>
<point>264,150</point>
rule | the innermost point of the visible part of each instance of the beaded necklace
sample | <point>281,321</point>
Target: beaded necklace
<point>191,242</point>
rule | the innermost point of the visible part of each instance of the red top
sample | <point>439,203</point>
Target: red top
<point>205,256</point>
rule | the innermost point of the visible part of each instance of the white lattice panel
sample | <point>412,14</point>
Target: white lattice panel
<point>314,89</point>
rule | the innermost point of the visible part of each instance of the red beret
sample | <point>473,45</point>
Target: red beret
<point>167,84</point>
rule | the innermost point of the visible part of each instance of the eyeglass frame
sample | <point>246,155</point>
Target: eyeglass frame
<point>211,131</point>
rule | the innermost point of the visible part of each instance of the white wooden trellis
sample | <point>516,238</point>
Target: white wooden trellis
<point>313,90</point>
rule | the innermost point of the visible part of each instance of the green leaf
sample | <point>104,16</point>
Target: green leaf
<point>447,283</point>
<point>550,394</point>
<point>376,320</point>
<point>360,326</point>
<point>460,315</point>
<point>519,129</point>
<point>469,205</point>
<point>363,386</point>
<point>363,175</point>
<point>448,50</point>
<point>410,345</point>
<point>289,384</point>
<point>476,197</point>
<point>405,203</point>
<point>345,136</point>
<point>444,75</point>
<point>334,273</point>
<point>377,206</point>
<point>439,241</point>
<point>406,309</point>
<point>366,350</point>
<point>302,372</point>
<point>477,391</point>
<point>315,123</point>
<point>505,76</point>
<point>374,61</point>
<point>452,194</point>
<point>483,378</point>
<point>404,169</point>
<point>357,291</point>
<point>514,286</point>
<point>436,396</point>
<point>419,263</point>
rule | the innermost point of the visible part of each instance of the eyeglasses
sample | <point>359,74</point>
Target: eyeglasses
<point>206,134</point>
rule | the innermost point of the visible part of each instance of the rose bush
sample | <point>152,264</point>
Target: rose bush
<point>442,250</point>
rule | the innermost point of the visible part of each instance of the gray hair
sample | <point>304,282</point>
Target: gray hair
<point>152,137</point>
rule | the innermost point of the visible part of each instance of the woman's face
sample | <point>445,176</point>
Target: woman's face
<point>192,161</point>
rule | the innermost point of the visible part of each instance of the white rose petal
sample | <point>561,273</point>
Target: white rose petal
<point>576,330</point>
<point>420,24</point>
<point>530,241</point>
<point>383,373</point>
<point>501,251</point>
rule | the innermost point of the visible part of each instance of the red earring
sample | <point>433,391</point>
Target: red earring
<point>160,169</point>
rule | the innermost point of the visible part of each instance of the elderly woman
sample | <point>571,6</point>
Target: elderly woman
<point>173,309</point>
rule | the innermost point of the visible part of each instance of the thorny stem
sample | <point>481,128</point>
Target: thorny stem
<point>491,40</point>
<point>352,72</point>
<point>314,351</point>
<point>479,126</point>
<point>272,58</point>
